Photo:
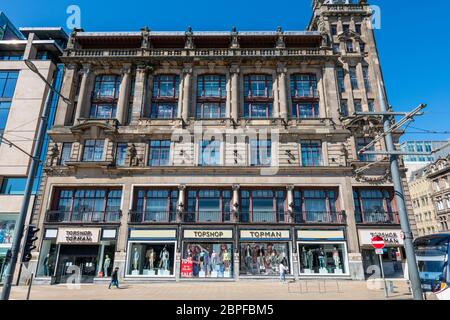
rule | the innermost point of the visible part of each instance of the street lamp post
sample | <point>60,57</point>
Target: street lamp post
<point>35,159</point>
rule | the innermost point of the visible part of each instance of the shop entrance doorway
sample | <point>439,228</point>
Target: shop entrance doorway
<point>392,262</point>
<point>77,262</point>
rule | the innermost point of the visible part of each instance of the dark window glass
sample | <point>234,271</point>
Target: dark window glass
<point>315,205</point>
<point>260,152</point>
<point>65,153</point>
<point>358,28</point>
<point>341,79</point>
<point>349,46</point>
<point>121,154</point>
<point>8,80</point>
<point>209,205</point>
<point>258,86</point>
<point>156,205</point>
<point>311,153</point>
<point>210,153</point>
<point>333,29</point>
<point>211,86</point>
<point>13,186</point>
<point>361,143</point>
<point>263,206</point>
<point>11,55</point>
<point>107,86</point>
<point>258,110</point>
<point>93,150</point>
<point>159,153</point>
<point>367,79</point>
<point>4,112</point>
<point>371,106</point>
<point>353,78</point>
<point>358,105</point>
<point>103,111</point>
<point>304,85</point>
<point>164,110</point>
<point>305,110</point>
<point>210,110</point>
<point>344,108</point>
<point>166,86</point>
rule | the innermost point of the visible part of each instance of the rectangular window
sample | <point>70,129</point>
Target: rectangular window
<point>164,110</point>
<point>353,78</point>
<point>349,46</point>
<point>344,108</point>
<point>304,85</point>
<point>361,143</point>
<point>373,206</point>
<point>165,97</point>
<point>358,29</point>
<point>260,152</point>
<point>362,47</point>
<point>315,205</point>
<point>105,96</point>
<point>371,106</point>
<point>209,153</point>
<point>358,105</point>
<point>311,153</point>
<point>7,227</point>
<point>11,55</point>
<point>262,206</point>
<point>366,79</point>
<point>93,150</point>
<point>166,86</point>
<point>341,79</point>
<point>155,205</point>
<point>209,205</point>
<point>8,80</point>
<point>211,97</point>
<point>210,110</point>
<point>258,110</point>
<point>13,186</point>
<point>121,154</point>
<point>305,110</point>
<point>333,30</point>
<point>258,97</point>
<point>159,153</point>
<point>86,205</point>
<point>346,27</point>
<point>336,48</point>
<point>65,153</point>
<point>4,112</point>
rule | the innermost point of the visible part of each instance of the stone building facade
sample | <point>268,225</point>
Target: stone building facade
<point>439,175</point>
<point>218,155</point>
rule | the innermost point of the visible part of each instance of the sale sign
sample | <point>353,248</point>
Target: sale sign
<point>187,267</point>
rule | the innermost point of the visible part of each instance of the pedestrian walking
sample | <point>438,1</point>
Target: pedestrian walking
<point>282,269</point>
<point>114,278</point>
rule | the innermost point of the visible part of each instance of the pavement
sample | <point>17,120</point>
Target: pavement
<point>243,290</point>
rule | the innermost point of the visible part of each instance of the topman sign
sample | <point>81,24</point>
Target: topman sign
<point>390,237</point>
<point>78,236</point>
<point>265,234</point>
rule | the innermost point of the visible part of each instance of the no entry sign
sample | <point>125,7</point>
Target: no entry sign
<point>378,242</point>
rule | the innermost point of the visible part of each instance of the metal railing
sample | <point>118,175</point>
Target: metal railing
<point>320,217</point>
<point>377,217</point>
<point>151,216</point>
<point>84,217</point>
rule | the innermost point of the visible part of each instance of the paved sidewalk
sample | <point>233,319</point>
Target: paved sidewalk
<point>244,290</point>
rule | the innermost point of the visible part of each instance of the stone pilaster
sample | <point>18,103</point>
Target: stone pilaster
<point>236,203</point>
<point>139,94</point>
<point>83,96</point>
<point>234,71</point>
<point>64,110</point>
<point>124,94</point>
<point>180,204</point>
<point>187,85</point>
<point>282,89</point>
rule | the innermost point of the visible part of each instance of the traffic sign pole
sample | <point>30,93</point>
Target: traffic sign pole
<point>379,244</point>
<point>386,294</point>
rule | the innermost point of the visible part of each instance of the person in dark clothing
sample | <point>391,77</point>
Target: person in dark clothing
<point>114,278</point>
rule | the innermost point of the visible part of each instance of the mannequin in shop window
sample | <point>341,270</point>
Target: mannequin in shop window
<point>322,257</point>
<point>195,261</point>
<point>106,265</point>
<point>248,258</point>
<point>214,260</point>
<point>46,265</point>
<point>310,258</point>
<point>260,258</point>
<point>336,258</point>
<point>136,257</point>
<point>164,259</point>
<point>226,260</point>
<point>150,255</point>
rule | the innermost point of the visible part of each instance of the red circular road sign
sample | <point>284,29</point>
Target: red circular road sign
<point>378,242</point>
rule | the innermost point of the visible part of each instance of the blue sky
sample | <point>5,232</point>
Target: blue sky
<point>413,41</point>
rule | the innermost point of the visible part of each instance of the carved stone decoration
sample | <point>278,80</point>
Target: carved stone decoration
<point>234,39</point>
<point>145,38</point>
<point>280,39</point>
<point>132,152</point>
<point>189,44</point>
<point>373,179</point>
<point>364,126</point>
<point>344,153</point>
<point>54,155</point>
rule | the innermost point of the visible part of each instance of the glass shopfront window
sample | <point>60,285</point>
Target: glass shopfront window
<point>323,258</point>
<point>7,226</point>
<point>48,258</point>
<point>207,260</point>
<point>263,258</point>
<point>151,259</point>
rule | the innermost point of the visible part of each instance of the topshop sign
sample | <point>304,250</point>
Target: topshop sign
<point>390,237</point>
